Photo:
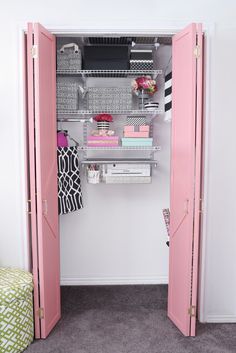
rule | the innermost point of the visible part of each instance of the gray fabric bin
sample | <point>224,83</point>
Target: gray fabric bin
<point>69,57</point>
<point>109,98</point>
<point>67,96</point>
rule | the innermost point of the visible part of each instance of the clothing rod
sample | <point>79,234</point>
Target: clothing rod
<point>119,161</point>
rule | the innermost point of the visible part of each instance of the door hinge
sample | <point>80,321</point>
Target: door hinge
<point>28,207</point>
<point>197,51</point>
<point>45,207</point>
<point>201,206</point>
<point>34,51</point>
<point>40,313</point>
<point>192,311</point>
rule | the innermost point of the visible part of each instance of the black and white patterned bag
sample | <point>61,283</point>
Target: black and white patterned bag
<point>68,176</point>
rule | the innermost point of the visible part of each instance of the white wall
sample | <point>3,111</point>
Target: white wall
<point>119,237</point>
<point>218,299</point>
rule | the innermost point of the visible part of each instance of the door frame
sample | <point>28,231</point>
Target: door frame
<point>170,28</point>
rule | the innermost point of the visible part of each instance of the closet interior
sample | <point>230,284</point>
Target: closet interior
<point>111,110</point>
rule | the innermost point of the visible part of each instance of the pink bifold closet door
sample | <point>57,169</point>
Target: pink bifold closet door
<point>43,177</point>
<point>185,177</point>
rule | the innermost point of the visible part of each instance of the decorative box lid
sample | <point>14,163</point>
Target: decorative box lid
<point>141,54</point>
<point>14,284</point>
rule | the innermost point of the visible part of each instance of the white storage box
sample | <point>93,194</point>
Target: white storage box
<point>127,179</point>
<point>127,170</point>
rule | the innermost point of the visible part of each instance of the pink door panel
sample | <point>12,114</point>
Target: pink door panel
<point>183,163</point>
<point>46,177</point>
<point>198,174</point>
<point>32,186</point>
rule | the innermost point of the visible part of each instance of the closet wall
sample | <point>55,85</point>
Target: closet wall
<point>119,236</point>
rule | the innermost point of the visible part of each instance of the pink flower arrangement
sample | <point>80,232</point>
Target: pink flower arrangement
<point>145,83</point>
<point>103,117</point>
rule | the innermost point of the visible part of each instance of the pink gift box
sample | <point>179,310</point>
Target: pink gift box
<point>136,134</point>
<point>144,128</point>
<point>128,128</point>
<point>103,141</point>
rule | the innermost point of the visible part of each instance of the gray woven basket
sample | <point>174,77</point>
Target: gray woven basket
<point>69,57</point>
<point>67,96</point>
<point>109,98</point>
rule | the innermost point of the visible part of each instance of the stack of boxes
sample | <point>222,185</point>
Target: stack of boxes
<point>136,136</point>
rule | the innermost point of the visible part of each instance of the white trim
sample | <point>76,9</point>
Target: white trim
<point>220,319</point>
<point>25,250</point>
<point>87,281</point>
<point>171,29</point>
<point>166,28</point>
<point>206,146</point>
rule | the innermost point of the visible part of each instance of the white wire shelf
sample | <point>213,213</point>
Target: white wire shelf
<point>114,112</point>
<point>119,161</point>
<point>120,148</point>
<point>72,119</point>
<point>109,73</point>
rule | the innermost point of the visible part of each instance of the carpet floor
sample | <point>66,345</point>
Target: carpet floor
<point>127,319</point>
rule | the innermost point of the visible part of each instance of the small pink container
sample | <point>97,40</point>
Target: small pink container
<point>144,128</point>
<point>129,128</point>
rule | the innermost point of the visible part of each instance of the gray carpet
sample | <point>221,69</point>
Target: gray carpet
<point>127,319</point>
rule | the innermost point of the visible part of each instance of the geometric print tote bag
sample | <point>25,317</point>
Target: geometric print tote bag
<point>68,176</point>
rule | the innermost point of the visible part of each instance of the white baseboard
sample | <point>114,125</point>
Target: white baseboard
<point>220,319</point>
<point>87,281</point>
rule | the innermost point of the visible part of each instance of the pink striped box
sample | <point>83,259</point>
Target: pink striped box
<point>103,141</point>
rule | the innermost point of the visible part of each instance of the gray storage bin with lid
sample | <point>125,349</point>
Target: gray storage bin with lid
<point>69,57</point>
